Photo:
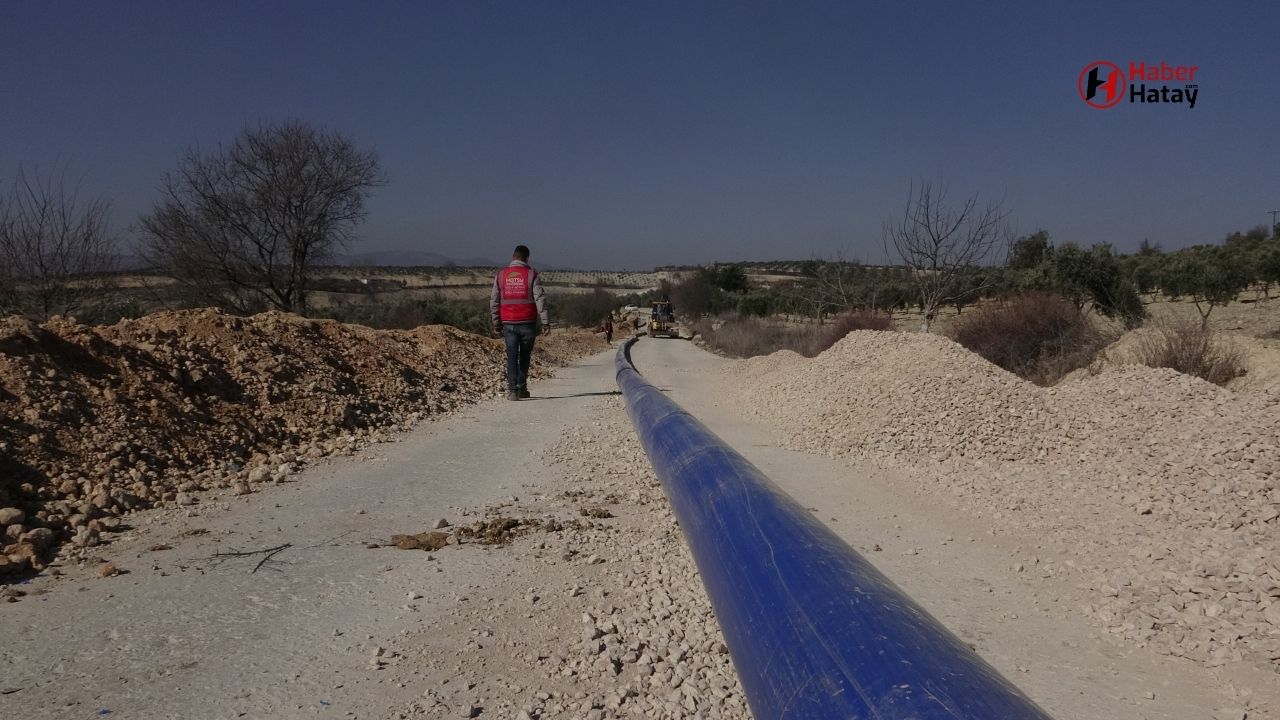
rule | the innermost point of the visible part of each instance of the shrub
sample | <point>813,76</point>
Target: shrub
<point>746,336</point>
<point>691,298</point>
<point>470,315</point>
<point>582,309</point>
<point>1037,336</point>
<point>758,304</point>
<point>1192,349</point>
<point>110,313</point>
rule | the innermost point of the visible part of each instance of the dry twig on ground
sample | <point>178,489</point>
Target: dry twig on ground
<point>266,553</point>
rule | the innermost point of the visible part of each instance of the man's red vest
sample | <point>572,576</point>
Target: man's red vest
<point>515,293</point>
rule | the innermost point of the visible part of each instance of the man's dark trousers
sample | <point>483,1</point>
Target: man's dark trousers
<point>519,338</point>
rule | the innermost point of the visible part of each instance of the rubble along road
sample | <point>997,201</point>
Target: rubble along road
<point>573,596</point>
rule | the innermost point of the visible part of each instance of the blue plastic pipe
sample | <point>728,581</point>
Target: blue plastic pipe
<point>813,629</point>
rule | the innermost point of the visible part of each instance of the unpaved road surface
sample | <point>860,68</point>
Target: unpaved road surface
<point>599,617</point>
<point>183,634</point>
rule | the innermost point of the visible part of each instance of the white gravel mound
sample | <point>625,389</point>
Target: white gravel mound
<point>1165,489</point>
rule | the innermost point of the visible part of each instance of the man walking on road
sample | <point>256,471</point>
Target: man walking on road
<point>517,305</point>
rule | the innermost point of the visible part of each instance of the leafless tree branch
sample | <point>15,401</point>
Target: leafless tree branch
<point>266,553</point>
<point>944,246</point>
<point>240,227</point>
<point>55,251</point>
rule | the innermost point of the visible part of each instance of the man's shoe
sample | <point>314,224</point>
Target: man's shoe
<point>513,395</point>
<point>523,393</point>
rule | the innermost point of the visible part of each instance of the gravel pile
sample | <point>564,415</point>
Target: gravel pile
<point>613,621</point>
<point>1163,490</point>
<point>97,421</point>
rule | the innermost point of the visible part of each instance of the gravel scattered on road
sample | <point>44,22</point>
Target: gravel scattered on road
<point>613,621</point>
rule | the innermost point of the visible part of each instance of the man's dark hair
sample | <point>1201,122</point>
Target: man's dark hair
<point>521,253</point>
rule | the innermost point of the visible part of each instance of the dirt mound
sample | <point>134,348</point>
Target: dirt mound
<point>1164,488</point>
<point>98,420</point>
<point>897,394</point>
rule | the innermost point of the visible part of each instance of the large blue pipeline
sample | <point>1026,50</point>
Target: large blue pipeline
<point>813,629</point>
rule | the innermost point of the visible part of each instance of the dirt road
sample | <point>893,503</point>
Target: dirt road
<point>185,635</point>
<point>330,627</point>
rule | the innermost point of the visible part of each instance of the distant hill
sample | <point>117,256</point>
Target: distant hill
<point>480,262</point>
<point>421,258</point>
<point>408,258</point>
<point>124,262</point>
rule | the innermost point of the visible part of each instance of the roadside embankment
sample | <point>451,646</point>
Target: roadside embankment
<point>1161,489</point>
<point>97,421</point>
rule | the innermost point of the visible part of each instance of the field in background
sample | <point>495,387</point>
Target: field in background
<point>408,297</point>
<point>337,287</point>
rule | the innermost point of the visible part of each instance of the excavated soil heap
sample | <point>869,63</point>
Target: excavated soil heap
<point>1164,489</point>
<point>97,420</point>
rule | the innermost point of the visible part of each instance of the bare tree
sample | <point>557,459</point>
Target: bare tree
<point>944,247</point>
<point>825,286</point>
<point>808,297</point>
<point>55,251</point>
<point>840,281</point>
<point>240,227</point>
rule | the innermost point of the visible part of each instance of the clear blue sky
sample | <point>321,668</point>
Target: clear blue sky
<point>609,134</point>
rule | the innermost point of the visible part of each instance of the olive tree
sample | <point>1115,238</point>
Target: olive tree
<point>1210,276</point>
<point>826,286</point>
<point>1097,275</point>
<point>1266,262</point>
<point>241,226</point>
<point>1031,251</point>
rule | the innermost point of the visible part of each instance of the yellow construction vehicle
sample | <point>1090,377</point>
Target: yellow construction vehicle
<point>662,320</point>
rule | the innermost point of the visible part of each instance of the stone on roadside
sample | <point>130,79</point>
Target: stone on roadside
<point>86,537</point>
<point>40,538</point>
<point>431,540</point>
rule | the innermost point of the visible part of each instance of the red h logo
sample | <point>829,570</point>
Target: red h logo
<point>1101,84</point>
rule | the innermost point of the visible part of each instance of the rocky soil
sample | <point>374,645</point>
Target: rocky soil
<point>612,622</point>
<point>99,421</point>
<point>1161,490</point>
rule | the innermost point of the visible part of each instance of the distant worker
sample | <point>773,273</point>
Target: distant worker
<point>608,328</point>
<point>517,306</point>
